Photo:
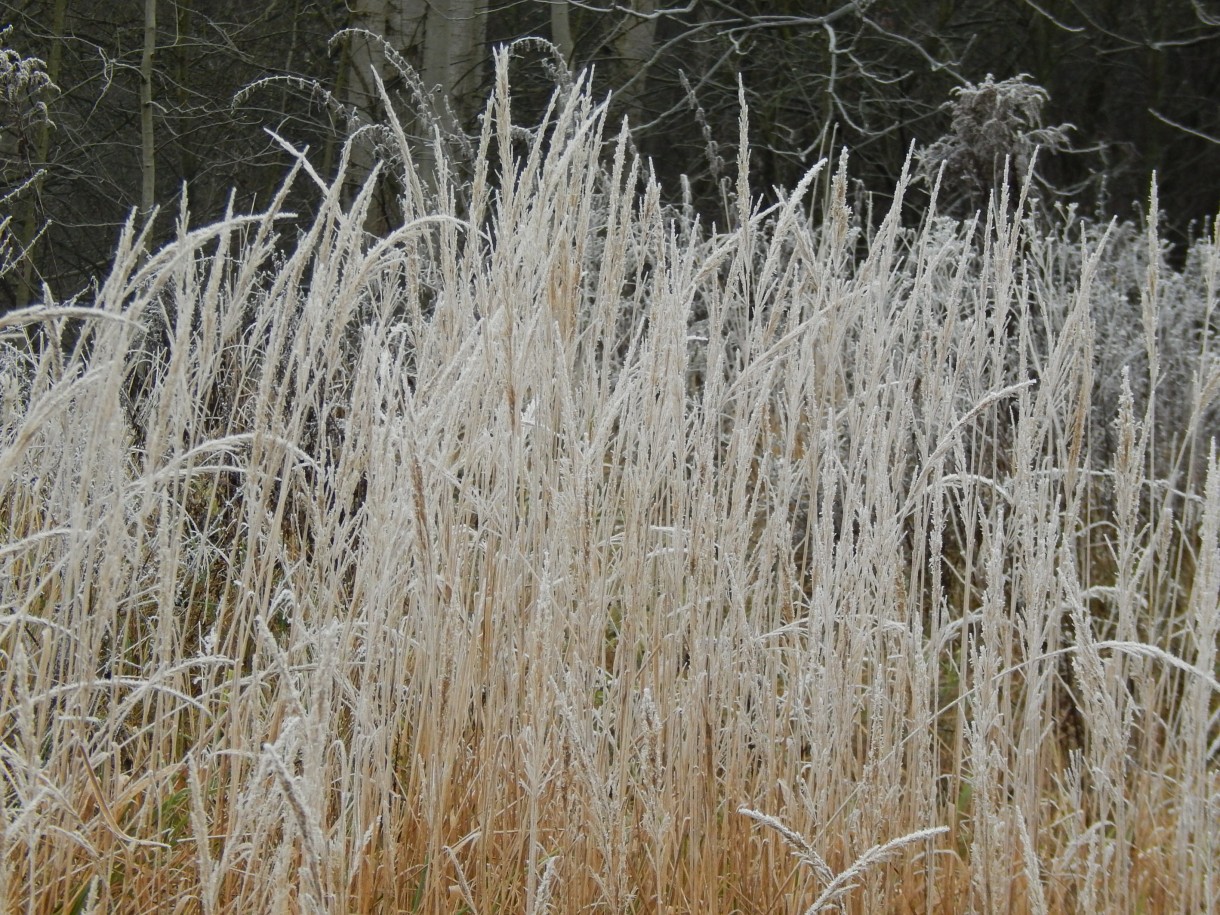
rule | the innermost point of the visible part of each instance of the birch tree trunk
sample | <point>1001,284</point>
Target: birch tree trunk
<point>396,23</point>
<point>453,56</point>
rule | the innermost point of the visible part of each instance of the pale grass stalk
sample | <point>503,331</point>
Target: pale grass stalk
<point>838,885</point>
<point>1033,875</point>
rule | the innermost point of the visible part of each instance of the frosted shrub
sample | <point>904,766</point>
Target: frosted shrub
<point>996,129</point>
<point>24,87</point>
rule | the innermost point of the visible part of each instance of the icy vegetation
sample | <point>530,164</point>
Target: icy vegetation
<point>558,553</point>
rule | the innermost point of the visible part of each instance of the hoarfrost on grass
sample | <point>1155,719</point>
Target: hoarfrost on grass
<point>504,562</point>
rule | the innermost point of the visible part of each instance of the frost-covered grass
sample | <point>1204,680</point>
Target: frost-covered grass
<point>556,554</point>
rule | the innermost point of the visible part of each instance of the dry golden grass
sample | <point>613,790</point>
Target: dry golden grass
<point>556,555</point>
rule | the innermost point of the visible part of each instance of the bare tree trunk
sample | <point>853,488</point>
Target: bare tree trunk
<point>400,25</point>
<point>635,44</point>
<point>561,30</point>
<point>381,24</point>
<point>444,40</point>
<point>148,151</point>
<point>453,56</point>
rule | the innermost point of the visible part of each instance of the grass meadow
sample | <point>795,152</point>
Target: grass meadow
<point>559,552</point>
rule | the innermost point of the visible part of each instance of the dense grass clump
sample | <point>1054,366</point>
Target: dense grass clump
<point>556,553</point>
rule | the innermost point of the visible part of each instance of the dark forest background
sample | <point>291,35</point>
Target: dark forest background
<point>114,107</point>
